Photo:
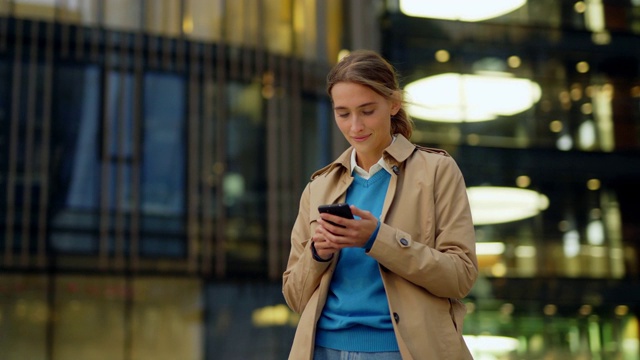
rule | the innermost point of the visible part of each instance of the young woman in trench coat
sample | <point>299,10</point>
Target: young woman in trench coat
<point>417,248</point>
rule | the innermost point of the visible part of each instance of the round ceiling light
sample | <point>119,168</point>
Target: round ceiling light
<point>454,97</point>
<point>463,10</point>
<point>495,204</point>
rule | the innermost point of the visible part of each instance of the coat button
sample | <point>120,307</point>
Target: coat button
<point>396,317</point>
<point>404,241</point>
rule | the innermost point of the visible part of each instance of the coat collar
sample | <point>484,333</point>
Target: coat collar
<point>395,154</point>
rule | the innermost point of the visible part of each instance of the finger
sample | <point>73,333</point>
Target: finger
<point>362,214</point>
<point>332,227</point>
<point>335,219</point>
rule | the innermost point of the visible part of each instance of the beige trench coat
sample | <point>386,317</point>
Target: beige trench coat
<point>425,249</point>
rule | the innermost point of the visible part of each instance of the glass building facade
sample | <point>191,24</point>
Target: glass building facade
<point>152,154</point>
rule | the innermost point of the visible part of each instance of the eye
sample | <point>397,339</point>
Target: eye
<point>342,115</point>
<point>368,112</point>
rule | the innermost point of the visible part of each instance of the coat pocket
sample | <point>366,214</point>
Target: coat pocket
<point>457,311</point>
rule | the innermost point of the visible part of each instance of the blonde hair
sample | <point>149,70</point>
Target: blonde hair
<point>368,68</point>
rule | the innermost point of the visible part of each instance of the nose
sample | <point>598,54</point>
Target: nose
<point>356,123</point>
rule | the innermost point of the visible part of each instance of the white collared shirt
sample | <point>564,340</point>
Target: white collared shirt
<point>381,164</point>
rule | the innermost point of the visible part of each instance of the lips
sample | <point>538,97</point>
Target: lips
<point>360,138</point>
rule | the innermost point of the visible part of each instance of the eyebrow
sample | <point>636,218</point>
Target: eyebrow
<point>358,107</point>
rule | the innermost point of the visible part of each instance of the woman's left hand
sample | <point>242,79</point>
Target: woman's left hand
<point>348,232</point>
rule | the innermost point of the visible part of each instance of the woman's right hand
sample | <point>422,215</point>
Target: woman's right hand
<point>324,249</point>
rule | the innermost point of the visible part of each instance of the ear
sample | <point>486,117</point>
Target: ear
<point>396,103</point>
<point>395,107</point>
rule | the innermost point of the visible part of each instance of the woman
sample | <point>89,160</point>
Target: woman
<point>387,284</point>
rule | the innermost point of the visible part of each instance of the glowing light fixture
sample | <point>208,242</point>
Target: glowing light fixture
<point>571,243</point>
<point>463,10</point>
<point>495,204</point>
<point>276,315</point>
<point>454,97</point>
<point>489,248</point>
<point>490,345</point>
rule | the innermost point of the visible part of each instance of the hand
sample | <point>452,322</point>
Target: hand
<point>345,233</point>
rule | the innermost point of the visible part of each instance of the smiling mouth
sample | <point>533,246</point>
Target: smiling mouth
<point>360,138</point>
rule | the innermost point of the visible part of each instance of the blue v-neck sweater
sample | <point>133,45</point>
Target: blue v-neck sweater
<point>356,314</point>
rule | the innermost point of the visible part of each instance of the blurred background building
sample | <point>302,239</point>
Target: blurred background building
<point>152,153</point>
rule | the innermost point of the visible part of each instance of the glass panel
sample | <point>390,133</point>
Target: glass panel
<point>317,122</point>
<point>23,316</point>
<point>305,29</point>
<point>163,166</point>
<point>262,325</point>
<point>123,14</point>
<point>5,131</point>
<point>5,7</point>
<point>34,9</point>
<point>496,329</point>
<point>252,31</point>
<point>278,25</point>
<point>244,180</point>
<point>78,11</point>
<point>119,102</point>
<point>162,17</point>
<point>203,19</point>
<point>242,23</point>
<point>334,30</point>
<point>576,230</point>
<point>163,175</point>
<point>76,127</point>
<point>166,321</point>
<point>76,120</point>
<point>518,102</point>
<point>236,21</point>
<point>90,318</point>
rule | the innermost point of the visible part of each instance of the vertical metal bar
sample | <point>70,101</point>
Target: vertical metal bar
<point>272,172</point>
<point>97,31</point>
<point>288,135</point>
<point>180,41</point>
<point>151,40</point>
<point>234,49</point>
<point>221,153</point>
<point>64,27</point>
<point>207,166</point>
<point>296,158</point>
<point>121,156</point>
<point>41,258</point>
<point>195,172</point>
<point>259,53</point>
<point>4,27</point>
<point>106,159</point>
<point>137,139</point>
<point>166,52</point>
<point>13,145</point>
<point>246,53</point>
<point>80,33</point>
<point>27,185</point>
<point>51,305</point>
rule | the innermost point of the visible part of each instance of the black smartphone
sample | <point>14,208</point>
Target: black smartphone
<point>341,209</point>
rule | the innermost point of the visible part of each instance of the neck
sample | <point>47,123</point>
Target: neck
<point>366,162</point>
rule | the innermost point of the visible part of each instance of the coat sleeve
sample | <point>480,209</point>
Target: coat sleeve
<point>303,274</point>
<point>449,268</point>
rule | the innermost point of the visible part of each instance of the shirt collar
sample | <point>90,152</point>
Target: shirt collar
<point>381,164</point>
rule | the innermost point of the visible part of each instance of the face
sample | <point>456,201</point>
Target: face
<point>364,118</point>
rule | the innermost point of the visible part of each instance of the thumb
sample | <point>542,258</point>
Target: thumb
<point>362,214</point>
